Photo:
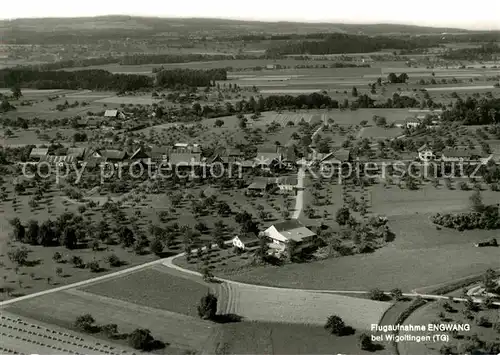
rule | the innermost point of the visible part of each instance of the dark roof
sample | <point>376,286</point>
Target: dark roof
<point>342,154</point>
<point>461,153</point>
<point>39,152</point>
<point>113,154</point>
<point>58,158</point>
<point>185,158</point>
<point>76,152</point>
<point>288,225</point>
<point>287,153</point>
<point>258,185</point>
<point>248,238</point>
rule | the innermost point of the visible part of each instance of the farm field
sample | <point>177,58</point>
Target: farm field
<point>252,303</point>
<point>29,336</point>
<point>429,313</point>
<point>62,308</point>
<point>156,288</point>
<point>281,338</point>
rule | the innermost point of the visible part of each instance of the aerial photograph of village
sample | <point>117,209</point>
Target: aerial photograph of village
<point>175,185</point>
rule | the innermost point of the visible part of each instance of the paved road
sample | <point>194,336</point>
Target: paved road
<point>299,199</point>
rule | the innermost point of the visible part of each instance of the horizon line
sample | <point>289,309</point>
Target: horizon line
<point>241,19</point>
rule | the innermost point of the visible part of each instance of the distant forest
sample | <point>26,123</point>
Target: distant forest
<point>97,79</point>
<point>342,43</point>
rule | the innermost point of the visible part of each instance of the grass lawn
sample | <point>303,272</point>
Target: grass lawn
<point>430,312</point>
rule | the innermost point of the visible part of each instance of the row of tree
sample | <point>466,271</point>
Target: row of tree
<point>339,43</point>
<point>94,79</point>
<point>472,111</point>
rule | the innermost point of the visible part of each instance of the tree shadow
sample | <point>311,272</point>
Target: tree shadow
<point>348,330</point>
<point>227,318</point>
<point>32,263</point>
<point>375,347</point>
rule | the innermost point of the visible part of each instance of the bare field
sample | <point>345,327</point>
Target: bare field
<point>300,307</point>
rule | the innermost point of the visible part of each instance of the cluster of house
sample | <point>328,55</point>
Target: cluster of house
<point>112,120</point>
<point>279,237</point>
<point>419,117</point>
<point>180,154</point>
<point>426,153</point>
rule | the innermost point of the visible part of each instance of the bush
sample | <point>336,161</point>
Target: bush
<point>85,323</point>
<point>365,342</point>
<point>114,260</point>
<point>335,325</point>
<point>140,339</point>
<point>377,295</point>
<point>94,266</point>
<point>207,308</point>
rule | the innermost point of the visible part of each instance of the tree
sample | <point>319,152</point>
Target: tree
<point>365,342</point>
<point>377,295</point>
<point>69,239</point>
<point>114,260</point>
<point>85,322</point>
<point>335,325</point>
<point>16,92</point>
<point>59,271</point>
<point>354,92</point>
<point>342,216</point>
<point>489,281</point>
<point>207,308</point>
<point>140,339</point>
<point>396,294</point>
<point>46,234</point>
<point>126,236</point>
<point>156,246</point>
<point>207,274</point>
<point>77,261</point>
<point>476,201</point>
<point>94,266</point>
<point>32,232</point>
<point>57,257</point>
<point>218,123</point>
<point>18,256</point>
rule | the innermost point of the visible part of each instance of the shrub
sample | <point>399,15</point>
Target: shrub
<point>208,306</point>
<point>335,325</point>
<point>377,295</point>
<point>85,322</point>
<point>140,339</point>
<point>365,342</point>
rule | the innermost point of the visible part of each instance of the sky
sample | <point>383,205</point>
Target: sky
<point>478,14</point>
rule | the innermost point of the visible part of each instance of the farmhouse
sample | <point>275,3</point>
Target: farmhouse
<point>114,114</point>
<point>257,188</point>
<point>111,155</point>
<point>226,156</point>
<point>37,154</point>
<point>77,153</point>
<point>343,155</point>
<point>186,148</point>
<point>159,154</point>
<point>246,241</point>
<point>284,183</point>
<point>412,122</point>
<point>459,155</point>
<point>58,159</point>
<point>290,232</point>
<point>185,159</point>
<point>425,153</point>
